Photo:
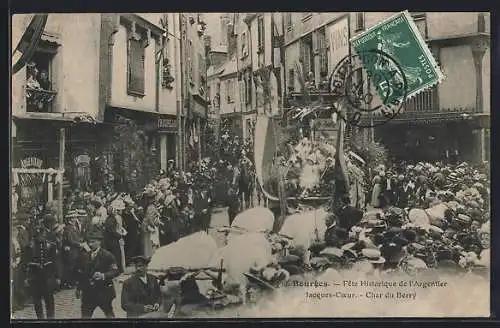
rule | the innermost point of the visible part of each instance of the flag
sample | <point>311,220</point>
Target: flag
<point>342,177</point>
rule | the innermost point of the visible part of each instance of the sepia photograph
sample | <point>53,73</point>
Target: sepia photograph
<point>168,166</point>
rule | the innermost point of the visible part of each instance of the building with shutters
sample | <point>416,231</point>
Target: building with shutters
<point>117,84</point>
<point>195,102</point>
<point>449,120</point>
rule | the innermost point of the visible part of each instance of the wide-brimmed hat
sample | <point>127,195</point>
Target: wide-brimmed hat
<point>81,212</point>
<point>117,204</point>
<point>140,259</point>
<point>332,252</point>
<point>462,218</point>
<point>71,214</point>
<point>372,255</point>
<point>94,234</point>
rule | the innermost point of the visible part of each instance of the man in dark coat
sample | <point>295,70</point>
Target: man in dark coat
<point>388,185</point>
<point>202,210</point>
<point>132,224</point>
<point>42,272</point>
<point>96,271</point>
<point>141,293</point>
<point>72,243</point>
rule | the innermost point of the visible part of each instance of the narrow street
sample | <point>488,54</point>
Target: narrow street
<point>68,307</point>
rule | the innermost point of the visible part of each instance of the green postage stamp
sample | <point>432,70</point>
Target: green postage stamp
<point>398,38</point>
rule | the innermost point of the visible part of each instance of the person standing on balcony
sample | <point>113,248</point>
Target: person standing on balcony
<point>44,81</point>
<point>32,76</point>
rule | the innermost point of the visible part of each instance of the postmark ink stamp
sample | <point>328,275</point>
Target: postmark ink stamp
<point>380,91</point>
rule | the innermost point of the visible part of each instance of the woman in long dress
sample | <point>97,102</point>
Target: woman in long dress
<point>150,225</point>
<point>114,233</point>
<point>376,191</point>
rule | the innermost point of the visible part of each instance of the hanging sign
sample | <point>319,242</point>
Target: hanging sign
<point>166,125</point>
<point>338,38</point>
<point>31,163</point>
<point>82,161</point>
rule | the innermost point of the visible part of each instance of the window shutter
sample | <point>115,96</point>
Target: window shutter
<point>305,56</point>
<point>323,52</point>
<point>288,19</point>
<point>136,62</point>
<point>291,79</point>
<point>261,32</point>
<point>360,21</point>
<point>190,61</point>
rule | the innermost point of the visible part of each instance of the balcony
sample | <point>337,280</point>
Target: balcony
<point>426,101</point>
<point>39,100</point>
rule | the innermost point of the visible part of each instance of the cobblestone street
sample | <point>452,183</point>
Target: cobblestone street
<point>68,307</point>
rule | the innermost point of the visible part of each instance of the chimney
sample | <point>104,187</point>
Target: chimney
<point>224,23</point>
<point>207,42</point>
<point>232,40</point>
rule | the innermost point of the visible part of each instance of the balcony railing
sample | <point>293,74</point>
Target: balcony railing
<point>39,100</point>
<point>426,101</point>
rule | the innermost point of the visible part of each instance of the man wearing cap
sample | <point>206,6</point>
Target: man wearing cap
<point>96,271</point>
<point>43,277</point>
<point>141,293</point>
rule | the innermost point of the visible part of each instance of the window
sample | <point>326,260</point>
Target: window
<point>360,21</point>
<point>209,95</point>
<point>136,57</point>
<point>288,20</point>
<point>306,50</point>
<point>260,31</point>
<point>244,44</point>
<point>248,89</point>
<point>291,80</point>
<point>39,87</point>
<point>138,40</point>
<point>230,91</point>
<point>420,20</point>
<point>190,61</point>
<point>202,70</point>
<point>323,53</point>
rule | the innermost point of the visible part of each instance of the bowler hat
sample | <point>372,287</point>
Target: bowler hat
<point>140,259</point>
<point>94,234</point>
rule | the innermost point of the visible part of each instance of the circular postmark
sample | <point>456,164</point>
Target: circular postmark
<point>373,87</point>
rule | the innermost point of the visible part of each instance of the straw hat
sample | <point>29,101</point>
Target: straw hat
<point>117,204</point>
<point>372,255</point>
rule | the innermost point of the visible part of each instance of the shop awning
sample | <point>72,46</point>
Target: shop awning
<point>71,117</point>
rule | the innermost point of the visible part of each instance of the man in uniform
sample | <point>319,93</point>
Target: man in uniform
<point>96,270</point>
<point>141,293</point>
<point>42,271</point>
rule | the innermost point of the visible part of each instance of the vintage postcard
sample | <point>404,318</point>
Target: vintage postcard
<point>250,165</point>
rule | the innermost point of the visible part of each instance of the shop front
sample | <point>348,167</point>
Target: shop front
<point>49,158</point>
<point>449,142</point>
<point>167,129</point>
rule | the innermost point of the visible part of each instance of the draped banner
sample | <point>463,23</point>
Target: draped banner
<point>264,149</point>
